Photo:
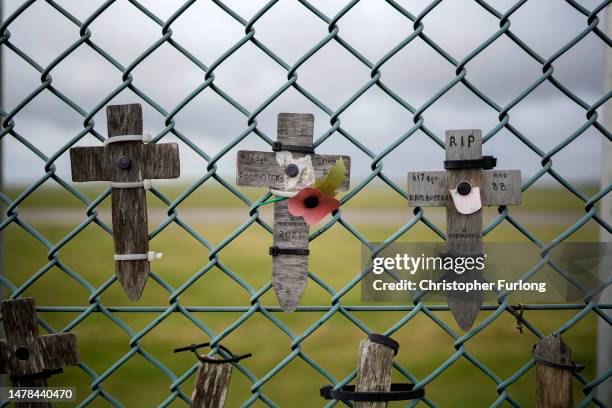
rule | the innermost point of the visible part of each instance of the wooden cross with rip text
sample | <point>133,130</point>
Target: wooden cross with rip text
<point>129,163</point>
<point>467,174</point>
<point>28,358</point>
<point>278,171</point>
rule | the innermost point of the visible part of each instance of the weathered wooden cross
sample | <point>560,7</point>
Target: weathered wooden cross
<point>28,358</point>
<point>287,170</point>
<point>467,184</point>
<point>129,163</point>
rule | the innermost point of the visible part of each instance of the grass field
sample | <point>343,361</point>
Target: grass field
<point>335,259</point>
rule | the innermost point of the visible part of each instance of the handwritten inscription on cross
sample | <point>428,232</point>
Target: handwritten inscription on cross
<point>278,171</point>
<point>129,163</point>
<point>28,358</point>
<point>467,173</point>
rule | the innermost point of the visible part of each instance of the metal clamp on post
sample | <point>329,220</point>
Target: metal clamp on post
<point>385,341</point>
<point>205,359</point>
<point>278,146</point>
<point>574,366</point>
<point>399,392</point>
<point>274,251</point>
<point>374,373</point>
<point>486,163</point>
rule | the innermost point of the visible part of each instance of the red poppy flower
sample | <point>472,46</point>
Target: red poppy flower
<point>312,204</point>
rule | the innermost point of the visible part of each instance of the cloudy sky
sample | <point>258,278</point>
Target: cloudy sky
<point>332,75</point>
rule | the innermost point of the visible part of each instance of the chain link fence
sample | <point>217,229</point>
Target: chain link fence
<point>179,388</point>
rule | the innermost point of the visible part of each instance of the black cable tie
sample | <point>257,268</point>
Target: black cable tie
<point>274,251</point>
<point>278,146</point>
<point>573,366</point>
<point>385,341</point>
<point>486,163</point>
<point>205,359</point>
<point>398,392</point>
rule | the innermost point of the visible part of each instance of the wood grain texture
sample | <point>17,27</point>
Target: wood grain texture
<point>129,205</point>
<point>261,169</point>
<point>464,231</point>
<point>161,161</point>
<point>501,187</point>
<point>42,353</point>
<point>289,272</point>
<point>87,163</point>
<point>211,386</point>
<point>427,189</point>
<point>554,385</point>
<point>295,128</point>
<point>374,371</point>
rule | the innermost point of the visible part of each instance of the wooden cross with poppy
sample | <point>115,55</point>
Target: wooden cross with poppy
<point>290,170</point>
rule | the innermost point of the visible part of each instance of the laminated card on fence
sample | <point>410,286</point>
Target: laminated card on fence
<point>468,183</point>
<point>291,166</point>
<point>27,357</point>
<point>129,163</point>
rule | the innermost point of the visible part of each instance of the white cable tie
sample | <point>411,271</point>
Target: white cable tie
<point>280,193</point>
<point>149,256</point>
<point>146,138</point>
<point>146,184</point>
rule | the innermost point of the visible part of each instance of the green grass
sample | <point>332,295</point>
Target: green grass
<point>214,195</point>
<point>335,259</point>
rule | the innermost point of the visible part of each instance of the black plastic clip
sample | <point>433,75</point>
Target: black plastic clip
<point>205,359</point>
<point>398,392</point>
<point>385,341</point>
<point>278,146</point>
<point>274,251</point>
<point>574,366</point>
<point>486,163</point>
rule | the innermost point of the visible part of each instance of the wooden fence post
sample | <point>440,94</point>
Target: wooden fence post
<point>211,385</point>
<point>375,364</point>
<point>554,384</point>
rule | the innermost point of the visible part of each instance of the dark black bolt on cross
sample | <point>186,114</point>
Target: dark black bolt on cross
<point>212,380</point>
<point>27,357</point>
<point>129,163</point>
<point>290,167</point>
<point>467,184</point>
<point>374,388</point>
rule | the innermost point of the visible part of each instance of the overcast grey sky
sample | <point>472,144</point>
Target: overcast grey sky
<point>289,29</point>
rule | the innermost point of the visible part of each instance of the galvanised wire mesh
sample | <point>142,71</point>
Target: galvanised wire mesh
<point>336,305</point>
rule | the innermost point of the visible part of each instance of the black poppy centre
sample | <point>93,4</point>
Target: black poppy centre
<point>311,202</point>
